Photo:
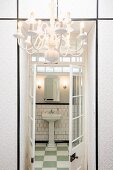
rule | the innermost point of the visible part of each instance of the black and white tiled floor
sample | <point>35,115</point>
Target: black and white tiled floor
<point>51,158</point>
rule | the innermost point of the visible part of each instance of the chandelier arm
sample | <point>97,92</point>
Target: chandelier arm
<point>42,41</point>
<point>64,55</point>
<point>23,48</point>
<point>38,37</point>
<point>30,52</point>
<point>37,48</point>
<point>60,42</point>
<point>71,51</point>
<point>76,55</point>
<point>46,26</point>
<point>78,49</point>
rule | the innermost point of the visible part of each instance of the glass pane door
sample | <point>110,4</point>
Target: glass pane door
<point>76,135</point>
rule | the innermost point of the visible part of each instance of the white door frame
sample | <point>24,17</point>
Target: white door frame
<point>32,109</point>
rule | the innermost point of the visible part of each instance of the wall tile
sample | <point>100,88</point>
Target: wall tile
<point>105,95</point>
<point>8,9</point>
<point>61,126</point>
<point>106,9</point>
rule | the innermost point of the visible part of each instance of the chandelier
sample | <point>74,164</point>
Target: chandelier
<point>52,39</point>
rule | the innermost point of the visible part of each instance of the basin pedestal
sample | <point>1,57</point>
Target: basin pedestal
<point>51,135</point>
<point>51,118</point>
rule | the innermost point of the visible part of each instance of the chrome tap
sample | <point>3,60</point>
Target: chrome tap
<point>51,112</point>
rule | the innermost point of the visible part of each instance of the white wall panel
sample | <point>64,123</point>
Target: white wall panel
<point>40,7</point>
<point>8,96</point>
<point>78,8</point>
<point>105,95</point>
<point>106,9</point>
<point>91,97</point>
<point>8,9</point>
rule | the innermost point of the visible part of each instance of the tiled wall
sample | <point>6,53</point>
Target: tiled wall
<point>61,126</point>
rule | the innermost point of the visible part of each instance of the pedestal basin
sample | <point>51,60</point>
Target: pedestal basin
<point>51,118</point>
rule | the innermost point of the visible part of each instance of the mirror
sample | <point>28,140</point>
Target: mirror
<point>51,89</point>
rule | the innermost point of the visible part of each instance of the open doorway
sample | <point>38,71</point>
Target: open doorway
<point>52,136</point>
<point>68,140</point>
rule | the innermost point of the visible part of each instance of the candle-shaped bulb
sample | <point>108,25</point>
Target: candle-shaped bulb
<point>19,27</point>
<point>39,22</point>
<point>28,40</point>
<point>32,15</point>
<point>65,84</point>
<point>19,24</point>
<point>68,18</point>
<point>68,15</point>
<point>39,83</point>
<point>81,27</point>
<point>32,18</point>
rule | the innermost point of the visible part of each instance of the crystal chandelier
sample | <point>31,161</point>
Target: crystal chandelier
<point>53,39</point>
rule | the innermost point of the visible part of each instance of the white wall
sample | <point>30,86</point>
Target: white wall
<point>41,8</point>
<point>78,8</point>
<point>105,95</point>
<point>24,145</point>
<point>105,9</point>
<point>8,96</point>
<point>91,97</point>
<point>8,9</point>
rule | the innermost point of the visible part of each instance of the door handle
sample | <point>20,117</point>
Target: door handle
<point>73,157</point>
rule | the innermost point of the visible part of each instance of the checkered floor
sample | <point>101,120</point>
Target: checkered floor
<point>51,158</point>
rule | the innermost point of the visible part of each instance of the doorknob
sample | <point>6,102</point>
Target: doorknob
<point>72,157</point>
<point>32,160</point>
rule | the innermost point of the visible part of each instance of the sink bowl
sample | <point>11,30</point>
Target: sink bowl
<point>51,117</point>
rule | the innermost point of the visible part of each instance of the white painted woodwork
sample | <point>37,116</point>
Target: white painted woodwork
<point>105,82</point>
<point>8,96</point>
